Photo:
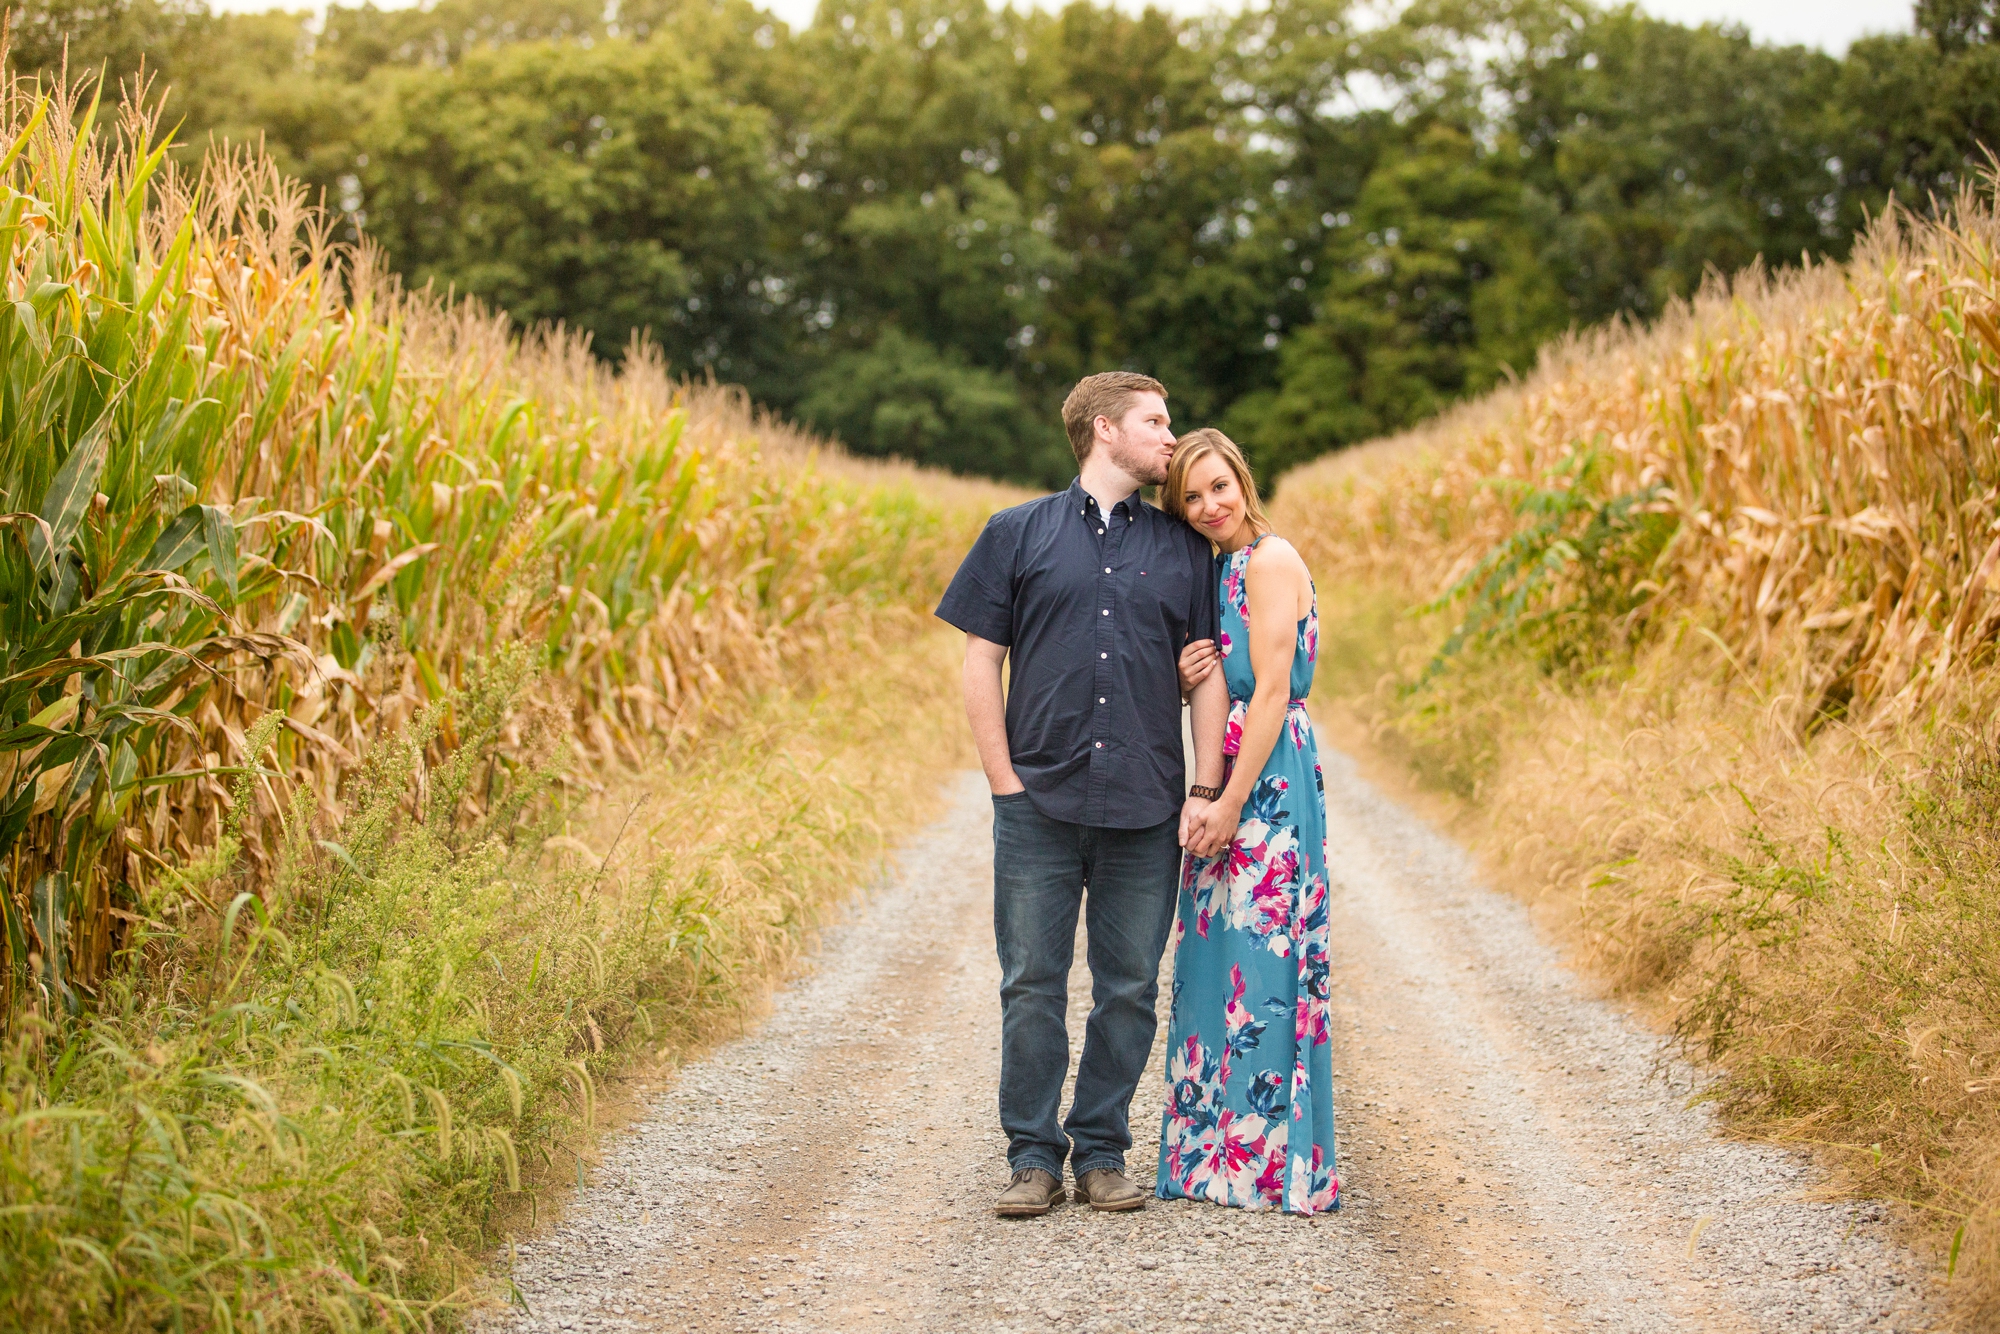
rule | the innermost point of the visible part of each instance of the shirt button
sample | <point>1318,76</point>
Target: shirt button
<point>1107,569</point>
<point>1105,612</point>
<point>1104,655</point>
<point>1100,745</point>
<point>1100,699</point>
<point>1100,532</point>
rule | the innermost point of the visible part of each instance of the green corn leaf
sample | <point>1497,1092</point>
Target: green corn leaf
<point>180,543</point>
<point>171,265</point>
<point>31,325</point>
<point>74,484</point>
<point>13,820</point>
<point>59,714</point>
<point>63,748</point>
<point>20,143</point>
<point>24,736</point>
<point>48,910</point>
<point>221,533</point>
<point>84,130</point>
<point>138,715</point>
<point>89,763</point>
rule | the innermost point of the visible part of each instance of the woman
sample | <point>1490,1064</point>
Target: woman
<point>1249,1119</point>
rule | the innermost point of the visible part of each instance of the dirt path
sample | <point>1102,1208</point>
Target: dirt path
<point>1514,1154</point>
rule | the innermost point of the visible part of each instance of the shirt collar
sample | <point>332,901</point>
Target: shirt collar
<point>1084,502</point>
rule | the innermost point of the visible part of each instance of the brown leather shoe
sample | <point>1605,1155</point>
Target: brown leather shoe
<point>1106,1190</point>
<point>1033,1194</point>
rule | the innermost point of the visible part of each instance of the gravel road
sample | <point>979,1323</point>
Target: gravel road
<point>1515,1155</point>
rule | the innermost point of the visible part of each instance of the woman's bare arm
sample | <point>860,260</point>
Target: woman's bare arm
<point>1274,580</point>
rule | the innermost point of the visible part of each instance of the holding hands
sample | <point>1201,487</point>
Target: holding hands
<point>1197,660</point>
<point>1207,826</point>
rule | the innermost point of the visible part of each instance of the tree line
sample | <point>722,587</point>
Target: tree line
<point>914,223</point>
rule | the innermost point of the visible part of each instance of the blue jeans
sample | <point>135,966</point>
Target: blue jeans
<point>1041,868</point>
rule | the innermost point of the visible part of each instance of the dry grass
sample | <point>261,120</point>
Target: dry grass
<point>1723,593</point>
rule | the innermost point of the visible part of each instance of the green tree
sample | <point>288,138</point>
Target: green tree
<point>1656,152</point>
<point>1433,291</point>
<point>1923,108</point>
<point>921,220</point>
<point>612,187</point>
<point>905,398</point>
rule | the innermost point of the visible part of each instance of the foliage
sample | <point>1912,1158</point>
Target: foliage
<point>318,945</point>
<point>616,188</point>
<point>1576,563</point>
<point>903,398</point>
<point>1434,290</point>
<point>1776,493</point>
<point>1317,227</point>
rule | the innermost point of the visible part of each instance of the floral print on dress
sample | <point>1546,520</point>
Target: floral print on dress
<point>1249,1116</point>
<point>1251,883</point>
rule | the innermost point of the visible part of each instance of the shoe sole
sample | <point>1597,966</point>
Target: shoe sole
<point>1025,1210</point>
<point>1123,1207</point>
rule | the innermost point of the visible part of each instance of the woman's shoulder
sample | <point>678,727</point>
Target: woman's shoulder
<point>1273,553</point>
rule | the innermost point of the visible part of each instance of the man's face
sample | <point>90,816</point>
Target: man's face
<point>1142,441</point>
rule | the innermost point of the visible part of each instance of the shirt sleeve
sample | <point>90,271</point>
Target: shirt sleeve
<point>980,600</point>
<point>1204,609</point>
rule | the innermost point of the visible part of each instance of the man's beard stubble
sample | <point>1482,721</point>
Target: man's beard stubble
<point>1143,465</point>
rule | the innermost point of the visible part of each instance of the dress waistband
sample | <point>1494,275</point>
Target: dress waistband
<point>1232,739</point>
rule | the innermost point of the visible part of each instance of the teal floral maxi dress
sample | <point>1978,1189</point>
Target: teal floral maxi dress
<point>1249,1119</point>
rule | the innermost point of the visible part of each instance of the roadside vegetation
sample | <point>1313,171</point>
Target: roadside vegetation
<point>401,724</point>
<point>1696,630</point>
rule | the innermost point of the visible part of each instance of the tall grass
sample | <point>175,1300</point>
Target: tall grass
<point>1697,624</point>
<point>244,474</point>
<point>326,1117</point>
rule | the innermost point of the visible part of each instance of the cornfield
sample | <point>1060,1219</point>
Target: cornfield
<point>1824,447</point>
<point>244,474</point>
<point>1698,626</point>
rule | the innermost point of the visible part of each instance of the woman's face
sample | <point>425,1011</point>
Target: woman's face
<point>1214,501</point>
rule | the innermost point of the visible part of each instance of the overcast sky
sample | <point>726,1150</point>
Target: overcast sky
<point>1830,24</point>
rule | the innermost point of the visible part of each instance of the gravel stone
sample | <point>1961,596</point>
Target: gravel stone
<point>1515,1153</point>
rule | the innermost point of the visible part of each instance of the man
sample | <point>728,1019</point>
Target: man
<point>1093,593</point>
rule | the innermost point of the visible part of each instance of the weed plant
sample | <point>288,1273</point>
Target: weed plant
<point>1696,627</point>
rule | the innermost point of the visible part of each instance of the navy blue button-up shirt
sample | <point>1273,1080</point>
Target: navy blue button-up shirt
<point>1094,611</point>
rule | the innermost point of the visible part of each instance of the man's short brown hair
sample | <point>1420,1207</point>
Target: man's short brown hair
<point>1107,395</point>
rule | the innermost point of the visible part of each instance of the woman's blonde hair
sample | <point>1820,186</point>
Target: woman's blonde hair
<point>1195,446</point>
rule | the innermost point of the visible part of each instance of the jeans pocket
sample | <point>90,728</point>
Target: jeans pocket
<point>1002,799</point>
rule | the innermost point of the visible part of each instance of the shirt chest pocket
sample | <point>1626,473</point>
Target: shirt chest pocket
<point>1161,597</point>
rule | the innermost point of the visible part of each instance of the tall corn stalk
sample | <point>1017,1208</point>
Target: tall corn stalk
<point>245,473</point>
<point>120,573</point>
